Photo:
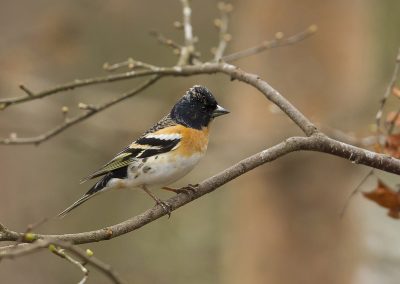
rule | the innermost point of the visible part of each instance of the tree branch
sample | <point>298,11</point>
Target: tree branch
<point>279,41</point>
<point>130,63</point>
<point>4,103</point>
<point>222,25</point>
<point>61,253</point>
<point>207,68</point>
<point>79,83</point>
<point>95,262</point>
<point>316,142</point>
<point>187,24</point>
<point>167,42</point>
<point>54,245</point>
<point>36,140</point>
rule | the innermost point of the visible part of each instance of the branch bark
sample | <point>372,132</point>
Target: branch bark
<point>177,71</point>
<point>317,142</point>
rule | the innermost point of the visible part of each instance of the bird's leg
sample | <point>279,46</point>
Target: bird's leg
<point>163,204</point>
<point>190,188</point>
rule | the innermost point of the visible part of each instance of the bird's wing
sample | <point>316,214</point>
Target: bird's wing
<point>148,145</point>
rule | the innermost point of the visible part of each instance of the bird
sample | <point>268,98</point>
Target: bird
<point>166,152</point>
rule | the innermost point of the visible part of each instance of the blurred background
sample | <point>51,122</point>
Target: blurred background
<point>277,224</point>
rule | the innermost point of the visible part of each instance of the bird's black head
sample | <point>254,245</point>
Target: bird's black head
<point>197,108</point>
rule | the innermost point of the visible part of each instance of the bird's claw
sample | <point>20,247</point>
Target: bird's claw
<point>190,188</point>
<point>165,206</point>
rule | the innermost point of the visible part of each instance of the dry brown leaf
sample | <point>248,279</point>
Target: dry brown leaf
<point>393,117</point>
<point>392,146</point>
<point>387,198</point>
<point>396,92</point>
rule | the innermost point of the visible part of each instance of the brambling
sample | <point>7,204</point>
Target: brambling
<point>163,154</point>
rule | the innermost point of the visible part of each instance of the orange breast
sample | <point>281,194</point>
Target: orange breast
<point>193,141</point>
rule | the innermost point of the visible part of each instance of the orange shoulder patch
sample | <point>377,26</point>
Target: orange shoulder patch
<point>193,140</point>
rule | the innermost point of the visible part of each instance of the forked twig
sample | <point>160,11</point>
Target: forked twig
<point>269,44</point>
<point>222,25</point>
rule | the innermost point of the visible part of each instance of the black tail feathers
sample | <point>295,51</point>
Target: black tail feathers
<point>75,204</point>
<point>96,188</point>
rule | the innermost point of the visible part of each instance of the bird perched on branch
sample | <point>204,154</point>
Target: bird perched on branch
<point>164,153</point>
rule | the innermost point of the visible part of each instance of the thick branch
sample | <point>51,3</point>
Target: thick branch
<point>316,142</point>
<point>207,68</point>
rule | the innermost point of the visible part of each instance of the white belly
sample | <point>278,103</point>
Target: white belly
<point>160,170</point>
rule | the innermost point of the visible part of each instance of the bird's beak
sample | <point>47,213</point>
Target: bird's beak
<point>219,111</point>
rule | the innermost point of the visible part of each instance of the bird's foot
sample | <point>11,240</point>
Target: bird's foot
<point>165,206</point>
<point>176,190</point>
<point>190,188</point>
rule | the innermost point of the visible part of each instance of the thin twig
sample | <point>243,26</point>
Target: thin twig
<point>187,52</point>
<point>277,42</point>
<point>95,262</point>
<point>347,202</point>
<point>26,90</point>
<point>4,103</point>
<point>222,25</point>
<point>234,73</point>
<point>389,89</point>
<point>79,83</point>
<point>166,41</point>
<point>36,140</point>
<point>27,236</point>
<point>207,68</point>
<point>112,67</point>
<point>24,249</point>
<point>61,253</point>
<point>187,24</point>
<point>130,63</point>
